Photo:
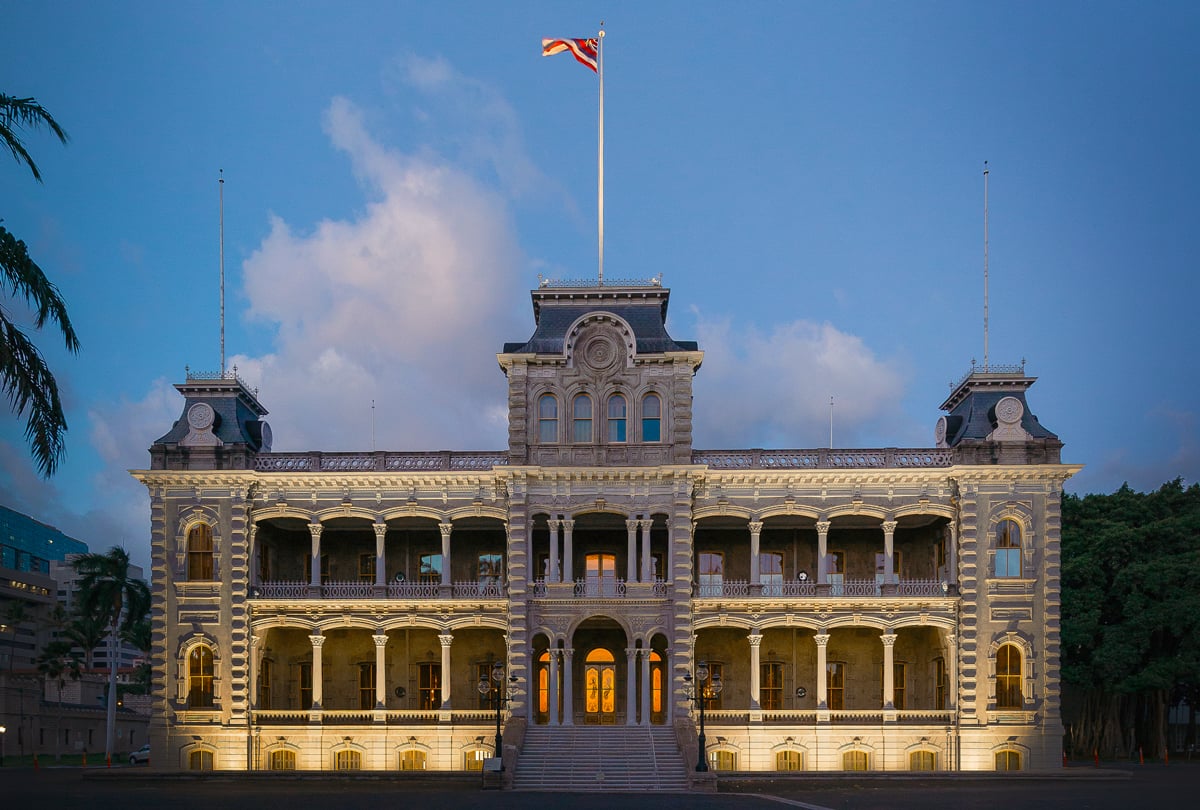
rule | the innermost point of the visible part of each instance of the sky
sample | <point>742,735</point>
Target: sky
<point>807,178</point>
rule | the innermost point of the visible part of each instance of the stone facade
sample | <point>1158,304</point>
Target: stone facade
<point>878,609</point>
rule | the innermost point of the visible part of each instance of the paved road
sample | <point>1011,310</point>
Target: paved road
<point>50,789</point>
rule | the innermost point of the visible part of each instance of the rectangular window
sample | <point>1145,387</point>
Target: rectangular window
<point>200,760</point>
<point>716,672</point>
<point>854,761</point>
<point>941,683</point>
<point>651,418</point>
<point>899,692</point>
<point>770,690</point>
<point>429,685</point>
<point>264,683</point>
<point>770,572</point>
<point>835,562</point>
<point>366,685</point>
<point>491,569</point>
<point>617,413</point>
<point>283,760</point>
<point>305,685</point>
<point>483,674</point>
<point>473,760</point>
<point>710,573</point>
<point>347,760</point>
<point>722,760</point>
<point>1008,562</point>
<point>836,684</point>
<point>431,569</point>
<point>922,761</point>
<point>366,567</point>
<point>582,419</point>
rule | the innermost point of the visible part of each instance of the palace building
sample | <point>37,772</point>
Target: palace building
<point>599,588</point>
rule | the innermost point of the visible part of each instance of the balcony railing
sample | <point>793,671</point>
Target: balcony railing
<point>884,458</point>
<point>367,590</point>
<point>741,589</point>
<point>379,461</point>
<point>599,588</point>
<point>363,717</point>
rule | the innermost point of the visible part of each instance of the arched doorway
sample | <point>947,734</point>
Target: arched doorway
<point>600,688</point>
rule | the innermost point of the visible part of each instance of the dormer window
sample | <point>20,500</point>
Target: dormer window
<point>651,418</point>
<point>617,411</point>
<point>582,419</point>
<point>547,419</point>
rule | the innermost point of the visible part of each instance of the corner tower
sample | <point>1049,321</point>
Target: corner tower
<point>600,382</point>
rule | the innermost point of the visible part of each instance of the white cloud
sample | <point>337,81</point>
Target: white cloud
<point>773,389</point>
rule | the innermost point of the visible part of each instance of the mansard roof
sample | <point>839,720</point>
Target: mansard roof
<point>557,306</point>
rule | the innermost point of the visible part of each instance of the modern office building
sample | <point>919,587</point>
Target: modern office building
<point>825,610</point>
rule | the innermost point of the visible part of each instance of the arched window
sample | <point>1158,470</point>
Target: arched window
<point>651,418</point>
<point>414,760</point>
<point>200,553</point>
<point>789,761</point>
<point>1008,760</point>
<point>200,759</point>
<point>581,413</point>
<point>922,761</point>
<point>347,760</point>
<point>547,419</point>
<point>283,759</point>
<point>200,677</point>
<point>722,760</point>
<point>1008,549</point>
<point>617,413</point>
<point>855,761</point>
<point>1008,678</point>
<point>473,760</point>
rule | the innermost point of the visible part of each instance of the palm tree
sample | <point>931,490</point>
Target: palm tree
<point>88,632</point>
<point>58,662</point>
<point>138,636</point>
<point>24,375</point>
<point>14,615</point>
<point>107,591</point>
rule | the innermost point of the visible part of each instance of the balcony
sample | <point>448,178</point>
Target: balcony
<point>355,589</point>
<point>741,589</point>
<point>599,588</point>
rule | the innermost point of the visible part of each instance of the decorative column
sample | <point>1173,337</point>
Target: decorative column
<point>889,557</point>
<point>952,554</point>
<point>755,567</point>
<point>889,683</point>
<point>647,566</point>
<point>952,672</point>
<point>631,555</point>
<point>645,678</point>
<point>314,574</point>
<point>252,554</point>
<point>822,640</point>
<point>568,687</point>
<point>446,639</point>
<point>568,569</point>
<point>755,671</point>
<point>255,664</point>
<point>631,655</point>
<point>552,574</point>
<point>380,673</point>
<point>552,688</point>
<point>318,691</point>
<point>822,552</point>
<point>446,528</point>
<point>380,556</point>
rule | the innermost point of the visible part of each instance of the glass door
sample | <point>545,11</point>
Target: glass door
<point>600,688</point>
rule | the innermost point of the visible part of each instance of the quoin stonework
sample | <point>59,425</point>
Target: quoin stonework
<point>870,609</point>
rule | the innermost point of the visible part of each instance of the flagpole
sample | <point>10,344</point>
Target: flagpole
<point>600,144</point>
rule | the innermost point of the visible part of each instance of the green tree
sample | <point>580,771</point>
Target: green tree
<point>1131,615</point>
<point>107,591</point>
<point>58,662</point>
<point>138,635</point>
<point>24,375</point>
<point>87,632</point>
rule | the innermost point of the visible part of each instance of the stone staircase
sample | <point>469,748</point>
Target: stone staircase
<point>607,758</point>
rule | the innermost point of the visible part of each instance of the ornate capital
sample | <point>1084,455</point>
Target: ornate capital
<point>822,527</point>
<point>317,640</point>
<point>632,525</point>
<point>568,525</point>
<point>380,530</point>
<point>755,639</point>
<point>554,524</point>
<point>380,641</point>
<point>445,529</point>
<point>646,525</point>
<point>755,526</point>
<point>888,639</point>
<point>446,639</point>
<point>315,530</point>
<point>889,527</point>
<point>821,639</point>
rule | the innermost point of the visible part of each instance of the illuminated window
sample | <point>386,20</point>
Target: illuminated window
<point>656,684</point>
<point>922,761</point>
<point>1008,678</point>
<point>1008,549</point>
<point>429,685</point>
<point>200,760</point>
<point>854,761</point>
<point>600,686</point>
<point>543,683</point>
<point>200,677</point>
<point>581,419</point>
<point>366,685</point>
<point>710,573</point>
<point>600,575</point>
<point>282,760</point>
<point>347,760</point>
<point>617,414</point>
<point>413,760</point>
<point>770,689</point>
<point>200,553</point>
<point>483,673</point>
<point>836,684</point>
<point>651,418</point>
<point>789,761</point>
<point>1008,760</point>
<point>716,673</point>
<point>473,760</point>
<point>547,419</point>
<point>722,760</point>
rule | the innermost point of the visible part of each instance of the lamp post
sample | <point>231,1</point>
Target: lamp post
<point>707,686</point>
<point>3,733</point>
<point>496,684</point>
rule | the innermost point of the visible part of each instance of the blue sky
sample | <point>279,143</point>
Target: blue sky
<point>807,178</point>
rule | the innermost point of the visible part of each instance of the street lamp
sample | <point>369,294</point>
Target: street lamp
<point>707,687</point>
<point>496,683</point>
<point>3,730</point>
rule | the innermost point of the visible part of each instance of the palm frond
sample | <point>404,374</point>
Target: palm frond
<point>25,113</point>
<point>26,380</point>
<point>26,280</point>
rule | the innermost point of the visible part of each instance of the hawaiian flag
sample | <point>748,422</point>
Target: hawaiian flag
<point>584,50</point>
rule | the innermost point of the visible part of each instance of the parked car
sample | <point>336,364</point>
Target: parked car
<point>142,755</point>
